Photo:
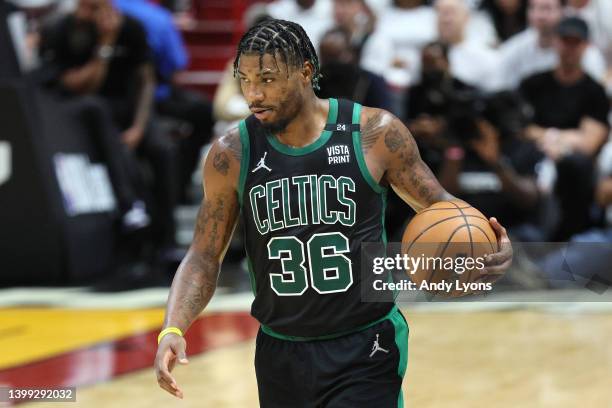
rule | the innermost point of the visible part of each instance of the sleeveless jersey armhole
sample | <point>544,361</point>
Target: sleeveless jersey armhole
<point>359,153</point>
<point>244,162</point>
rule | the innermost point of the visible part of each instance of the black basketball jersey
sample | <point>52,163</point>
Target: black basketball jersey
<point>306,212</point>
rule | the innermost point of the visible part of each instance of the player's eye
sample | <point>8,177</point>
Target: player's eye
<point>244,80</point>
<point>268,80</point>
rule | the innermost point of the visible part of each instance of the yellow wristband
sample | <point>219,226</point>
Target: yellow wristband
<point>167,330</point>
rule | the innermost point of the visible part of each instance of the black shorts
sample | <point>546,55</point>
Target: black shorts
<point>348,371</point>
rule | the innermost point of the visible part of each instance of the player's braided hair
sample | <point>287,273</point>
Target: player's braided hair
<point>285,37</point>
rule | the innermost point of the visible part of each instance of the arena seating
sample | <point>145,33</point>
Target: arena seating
<point>211,42</point>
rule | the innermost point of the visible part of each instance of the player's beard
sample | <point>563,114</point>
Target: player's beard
<point>289,110</point>
<point>278,126</point>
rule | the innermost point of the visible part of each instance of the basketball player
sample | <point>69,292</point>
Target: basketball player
<point>309,178</point>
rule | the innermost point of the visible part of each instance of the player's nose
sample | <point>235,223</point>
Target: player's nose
<point>254,96</point>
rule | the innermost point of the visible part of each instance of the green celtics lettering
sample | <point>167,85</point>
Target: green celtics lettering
<point>322,191</point>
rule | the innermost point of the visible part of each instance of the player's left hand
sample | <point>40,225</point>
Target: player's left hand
<point>496,264</point>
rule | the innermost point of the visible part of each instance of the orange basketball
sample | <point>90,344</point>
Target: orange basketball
<point>451,239</point>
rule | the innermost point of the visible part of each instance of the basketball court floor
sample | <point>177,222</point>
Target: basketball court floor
<point>493,354</point>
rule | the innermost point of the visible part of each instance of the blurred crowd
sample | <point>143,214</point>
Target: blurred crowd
<point>508,100</point>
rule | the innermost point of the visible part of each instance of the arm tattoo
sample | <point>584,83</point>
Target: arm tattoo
<point>371,131</point>
<point>221,163</point>
<point>234,145</point>
<point>206,213</point>
<point>411,175</point>
<point>199,283</point>
<point>394,140</point>
<point>212,215</point>
<point>198,275</point>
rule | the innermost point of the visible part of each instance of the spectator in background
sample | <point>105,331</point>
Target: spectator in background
<point>97,50</point>
<point>357,19</point>
<point>169,58</point>
<point>533,51</point>
<point>471,142</point>
<point>229,105</point>
<point>470,61</point>
<point>410,24</point>
<point>586,260</point>
<point>480,27</point>
<point>406,27</point>
<point>343,78</point>
<point>175,6</point>
<point>315,16</point>
<point>431,102</point>
<point>570,125</point>
<point>509,16</point>
<point>94,114</point>
<point>489,166</point>
<point>598,15</point>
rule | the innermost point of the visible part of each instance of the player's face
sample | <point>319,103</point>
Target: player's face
<point>273,91</point>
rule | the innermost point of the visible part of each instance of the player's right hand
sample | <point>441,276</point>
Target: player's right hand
<point>170,350</point>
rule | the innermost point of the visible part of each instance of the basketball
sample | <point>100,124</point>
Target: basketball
<point>451,239</point>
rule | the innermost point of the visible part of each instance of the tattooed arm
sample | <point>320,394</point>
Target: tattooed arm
<point>393,158</point>
<point>196,278</point>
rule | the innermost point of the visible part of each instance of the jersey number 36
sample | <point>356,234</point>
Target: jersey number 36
<point>330,270</point>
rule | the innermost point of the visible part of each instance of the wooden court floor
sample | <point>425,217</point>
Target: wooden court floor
<point>518,358</point>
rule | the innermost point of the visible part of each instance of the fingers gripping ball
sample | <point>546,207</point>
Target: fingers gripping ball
<point>451,238</point>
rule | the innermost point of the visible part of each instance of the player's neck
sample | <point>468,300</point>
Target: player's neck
<point>307,126</point>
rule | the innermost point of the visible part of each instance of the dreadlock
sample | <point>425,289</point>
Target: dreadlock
<point>285,37</point>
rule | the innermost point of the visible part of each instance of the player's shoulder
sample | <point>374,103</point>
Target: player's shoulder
<point>381,132</point>
<point>229,143</point>
<point>223,160</point>
<point>375,122</point>
<point>376,118</point>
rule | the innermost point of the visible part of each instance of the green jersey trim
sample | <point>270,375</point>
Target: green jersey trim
<point>401,341</point>
<point>244,162</point>
<point>272,333</point>
<point>251,275</point>
<point>382,221</point>
<point>359,153</point>
<point>332,116</point>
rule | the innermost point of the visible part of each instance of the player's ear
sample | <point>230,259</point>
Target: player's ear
<point>307,71</point>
